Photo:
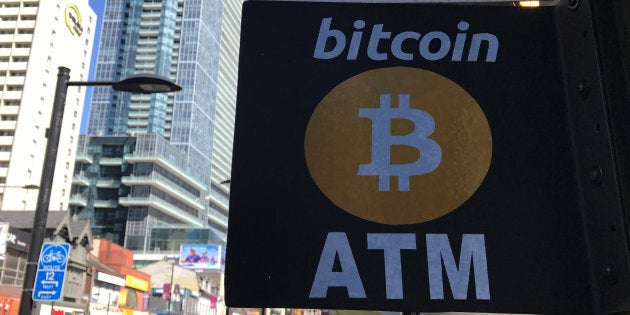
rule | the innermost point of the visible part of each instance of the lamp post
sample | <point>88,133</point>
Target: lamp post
<point>171,285</point>
<point>145,84</point>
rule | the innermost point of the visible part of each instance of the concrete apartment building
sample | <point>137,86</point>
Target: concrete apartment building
<point>36,37</point>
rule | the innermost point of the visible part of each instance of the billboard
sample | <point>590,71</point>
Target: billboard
<point>4,236</point>
<point>197,256</point>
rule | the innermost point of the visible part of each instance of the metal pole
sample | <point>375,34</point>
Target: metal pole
<point>109,300</point>
<point>43,197</point>
<point>170,296</point>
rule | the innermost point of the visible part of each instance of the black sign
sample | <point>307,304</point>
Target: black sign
<point>404,157</point>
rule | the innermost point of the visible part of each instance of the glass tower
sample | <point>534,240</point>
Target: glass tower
<point>178,39</point>
<point>173,38</point>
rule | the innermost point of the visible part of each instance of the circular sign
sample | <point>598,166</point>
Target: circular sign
<point>73,19</point>
<point>398,145</point>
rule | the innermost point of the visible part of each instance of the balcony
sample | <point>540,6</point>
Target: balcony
<point>9,110</point>
<point>108,183</point>
<point>166,186</point>
<point>7,125</point>
<point>105,203</point>
<point>7,11</point>
<point>6,140</point>
<point>110,161</point>
<point>8,24</point>
<point>139,114</point>
<point>23,38</point>
<point>21,51</point>
<point>83,157</point>
<point>163,206</point>
<point>80,179</point>
<point>218,218</point>
<point>17,80</point>
<point>155,158</point>
<point>27,24</point>
<point>6,38</point>
<point>19,65</point>
<point>78,200</point>
<point>12,95</point>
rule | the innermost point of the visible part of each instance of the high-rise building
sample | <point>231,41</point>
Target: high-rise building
<point>36,37</point>
<point>225,106</point>
<point>132,188</point>
<point>178,39</point>
<point>226,95</point>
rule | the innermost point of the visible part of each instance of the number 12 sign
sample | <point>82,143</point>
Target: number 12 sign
<point>51,272</point>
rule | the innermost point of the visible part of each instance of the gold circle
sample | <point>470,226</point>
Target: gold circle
<point>337,141</point>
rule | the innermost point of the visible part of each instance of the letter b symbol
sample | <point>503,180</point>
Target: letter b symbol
<point>324,33</point>
<point>381,166</point>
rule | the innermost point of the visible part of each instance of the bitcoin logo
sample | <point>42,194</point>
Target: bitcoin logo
<point>398,145</point>
<point>382,141</point>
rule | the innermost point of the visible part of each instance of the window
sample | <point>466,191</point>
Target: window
<point>14,88</point>
<point>113,150</point>
<point>111,171</point>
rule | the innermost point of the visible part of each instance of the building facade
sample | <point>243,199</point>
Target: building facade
<point>128,296</point>
<point>180,40</point>
<point>60,228</point>
<point>226,106</point>
<point>135,188</point>
<point>36,37</point>
<point>226,94</point>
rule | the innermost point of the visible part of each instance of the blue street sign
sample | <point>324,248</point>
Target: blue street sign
<point>51,271</point>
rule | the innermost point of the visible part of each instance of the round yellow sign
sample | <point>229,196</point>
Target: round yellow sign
<point>73,19</point>
<point>398,145</point>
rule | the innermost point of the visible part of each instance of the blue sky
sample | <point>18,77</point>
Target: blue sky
<point>97,6</point>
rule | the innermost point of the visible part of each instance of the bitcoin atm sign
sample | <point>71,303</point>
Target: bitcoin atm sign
<point>386,131</point>
<point>403,157</point>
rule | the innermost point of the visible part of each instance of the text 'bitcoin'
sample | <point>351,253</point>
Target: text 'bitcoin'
<point>433,46</point>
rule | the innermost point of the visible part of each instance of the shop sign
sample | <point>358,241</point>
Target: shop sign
<point>405,157</point>
<point>136,283</point>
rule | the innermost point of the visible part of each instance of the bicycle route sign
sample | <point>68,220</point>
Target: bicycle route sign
<point>51,272</point>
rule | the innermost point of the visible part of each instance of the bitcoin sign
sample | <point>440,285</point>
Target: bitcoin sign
<point>389,150</point>
<point>403,157</point>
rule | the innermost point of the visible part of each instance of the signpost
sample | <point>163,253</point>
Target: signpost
<point>51,272</point>
<point>424,158</point>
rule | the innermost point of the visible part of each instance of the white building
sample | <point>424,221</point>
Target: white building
<point>36,37</point>
<point>226,91</point>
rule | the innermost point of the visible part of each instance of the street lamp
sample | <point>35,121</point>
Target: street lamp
<point>171,285</point>
<point>145,84</point>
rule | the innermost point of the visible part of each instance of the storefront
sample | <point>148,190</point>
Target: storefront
<point>135,295</point>
<point>105,293</point>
